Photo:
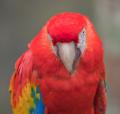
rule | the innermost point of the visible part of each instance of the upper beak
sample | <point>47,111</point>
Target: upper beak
<point>68,54</point>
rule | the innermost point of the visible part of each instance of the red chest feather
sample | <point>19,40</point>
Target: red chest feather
<point>71,96</point>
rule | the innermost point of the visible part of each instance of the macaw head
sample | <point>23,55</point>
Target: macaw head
<point>71,37</point>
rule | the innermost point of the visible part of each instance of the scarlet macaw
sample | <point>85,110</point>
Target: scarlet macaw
<point>62,71</point>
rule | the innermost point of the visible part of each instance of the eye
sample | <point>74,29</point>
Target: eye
<point>82,40</point>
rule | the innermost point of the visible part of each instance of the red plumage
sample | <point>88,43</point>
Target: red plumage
<point>65,27</point>
<point>81,92</point>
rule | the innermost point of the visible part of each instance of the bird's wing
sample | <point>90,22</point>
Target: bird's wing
<point>24,88</point>
<point>100,97</point>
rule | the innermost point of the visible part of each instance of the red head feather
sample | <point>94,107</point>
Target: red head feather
<point>65,27</point>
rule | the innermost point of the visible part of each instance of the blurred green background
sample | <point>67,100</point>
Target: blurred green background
<point>20,20</point>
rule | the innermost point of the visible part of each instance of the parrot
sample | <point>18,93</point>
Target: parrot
<point>62,71</point>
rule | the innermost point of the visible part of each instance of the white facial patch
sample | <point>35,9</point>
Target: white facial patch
<point>54,48</point>
<point>82,40</point>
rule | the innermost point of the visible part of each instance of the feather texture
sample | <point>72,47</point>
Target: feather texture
<point>42,84</point>
<point>26,97</point>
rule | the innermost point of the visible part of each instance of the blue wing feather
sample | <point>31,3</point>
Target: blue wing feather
<point>39,109</point>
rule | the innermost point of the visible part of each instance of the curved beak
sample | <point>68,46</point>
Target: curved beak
<point>68,53</point>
